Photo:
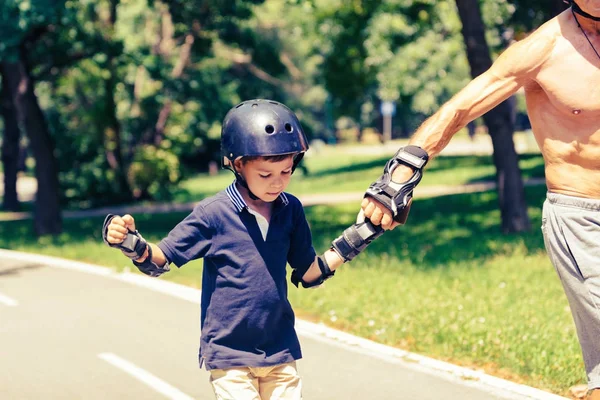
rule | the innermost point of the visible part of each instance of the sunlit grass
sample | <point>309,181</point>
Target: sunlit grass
<point>336,171</point>
<point>448,284</point>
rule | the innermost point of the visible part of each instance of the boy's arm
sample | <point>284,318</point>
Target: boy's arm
<point>314,273</point>
<point>347,246</point>
<point>158,257</point>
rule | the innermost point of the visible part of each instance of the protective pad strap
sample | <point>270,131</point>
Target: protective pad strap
<point>150,268</point>
<point>396,196</point>
<point>326,273</point>
<point>355,239</point>
<point>134,245</point>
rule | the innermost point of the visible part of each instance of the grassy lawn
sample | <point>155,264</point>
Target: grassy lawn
<point>339,170</point>
<point>448,285</point>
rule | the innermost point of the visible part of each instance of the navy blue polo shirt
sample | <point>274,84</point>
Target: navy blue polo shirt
<point>246,318</point>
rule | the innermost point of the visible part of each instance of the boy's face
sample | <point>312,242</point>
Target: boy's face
<point>266,179</point>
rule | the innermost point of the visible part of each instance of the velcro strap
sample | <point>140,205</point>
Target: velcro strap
<point>396,196</point>
<point>149,267</point>
<point>134,245</point>
<point>355,239</point>
<point>326,273</point>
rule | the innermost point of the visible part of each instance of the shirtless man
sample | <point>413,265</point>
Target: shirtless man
<point>558,66</point>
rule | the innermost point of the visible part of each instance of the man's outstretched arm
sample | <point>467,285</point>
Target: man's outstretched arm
<point>518,65</point>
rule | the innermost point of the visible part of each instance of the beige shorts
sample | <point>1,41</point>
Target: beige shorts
<point>257,383</point>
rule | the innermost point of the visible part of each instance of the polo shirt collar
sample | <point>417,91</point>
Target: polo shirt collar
<point>240,204</point>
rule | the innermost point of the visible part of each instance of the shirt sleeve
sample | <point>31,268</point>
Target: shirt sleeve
<point>302,253</point>
<point>190,239</point>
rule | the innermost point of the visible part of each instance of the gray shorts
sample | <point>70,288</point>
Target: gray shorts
<point>571,227</point>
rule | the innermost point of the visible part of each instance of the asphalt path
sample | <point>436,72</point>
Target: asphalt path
<point>79,333</point>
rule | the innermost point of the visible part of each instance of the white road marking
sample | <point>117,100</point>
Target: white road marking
<point>7,301</point>
<point>146,377</point>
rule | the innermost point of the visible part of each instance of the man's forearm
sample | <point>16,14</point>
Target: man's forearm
<point>435,133</point>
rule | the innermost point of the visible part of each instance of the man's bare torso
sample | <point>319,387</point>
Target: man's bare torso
<point>563,104</point>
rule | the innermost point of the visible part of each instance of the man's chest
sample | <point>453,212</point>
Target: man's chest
<point>571,83</point>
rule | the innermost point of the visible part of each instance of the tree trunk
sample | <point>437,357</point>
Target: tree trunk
<point>511,195</point>
<point>47,207</point>
<point>112,129</point>
<point>10,148</point>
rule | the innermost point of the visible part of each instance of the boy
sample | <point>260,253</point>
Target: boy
<point>246,235</point>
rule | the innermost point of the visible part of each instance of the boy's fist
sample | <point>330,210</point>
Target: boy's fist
<point>118,228</point>
<point>120,232</point>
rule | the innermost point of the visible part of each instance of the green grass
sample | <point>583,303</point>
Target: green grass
<point>448,285</point>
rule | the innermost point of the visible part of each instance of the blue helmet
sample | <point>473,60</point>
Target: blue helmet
<point>261,128</point>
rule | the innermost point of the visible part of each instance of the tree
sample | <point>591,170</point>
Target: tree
<point>22,23</point>
<point>10,148</point>
<point>511,195</point>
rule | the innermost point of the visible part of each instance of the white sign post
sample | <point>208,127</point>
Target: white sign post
<point>388,110</point>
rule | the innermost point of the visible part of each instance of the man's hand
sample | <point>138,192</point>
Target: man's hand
<point>377,213</point>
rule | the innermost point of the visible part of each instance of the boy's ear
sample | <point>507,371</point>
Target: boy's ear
<point>237,164</point>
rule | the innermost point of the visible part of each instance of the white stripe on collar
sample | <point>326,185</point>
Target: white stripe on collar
<point>236,197</point>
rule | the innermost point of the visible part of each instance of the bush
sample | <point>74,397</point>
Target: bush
<point>153,173</point>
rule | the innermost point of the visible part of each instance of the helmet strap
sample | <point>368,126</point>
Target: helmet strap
<point>297,158</point>
<point>242,181</point>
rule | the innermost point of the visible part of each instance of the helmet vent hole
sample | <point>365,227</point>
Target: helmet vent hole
<point>269,129</point>
<point>288,127</point>
<point>254,105</point>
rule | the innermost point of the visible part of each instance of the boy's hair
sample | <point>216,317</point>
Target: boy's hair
<point>277,158</point>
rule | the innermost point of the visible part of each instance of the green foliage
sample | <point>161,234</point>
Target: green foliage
<point>152,172</point>
<point>24,20</point>
<point>127,73</point>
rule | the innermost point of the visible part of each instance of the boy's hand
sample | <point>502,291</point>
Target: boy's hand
<point>119,227</point>
<point>120,232</point>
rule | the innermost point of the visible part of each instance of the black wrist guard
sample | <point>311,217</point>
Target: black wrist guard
<point>134,245</point>
<point>326,273</point>
<point>355,239</point>
<point>396,196</point>
<point>148,267</point>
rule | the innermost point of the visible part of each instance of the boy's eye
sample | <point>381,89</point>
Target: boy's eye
<point>289,171</point>
<point>264,176</point>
